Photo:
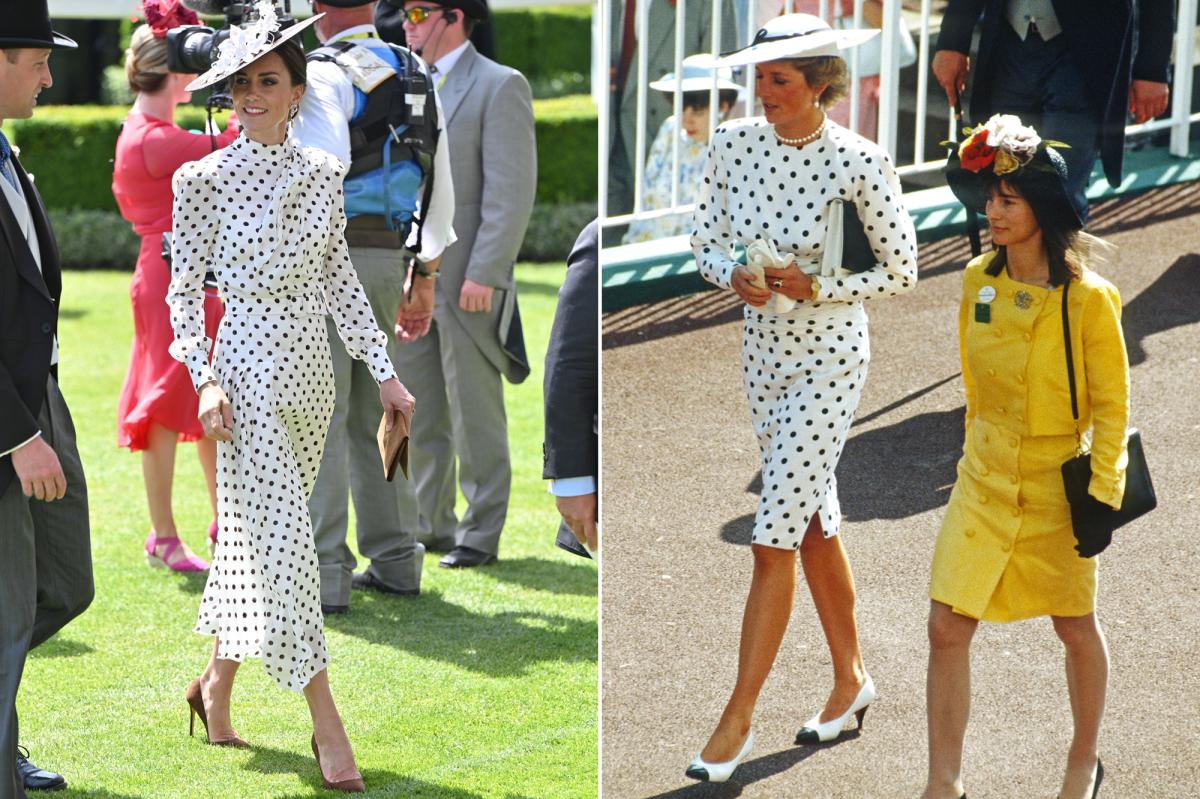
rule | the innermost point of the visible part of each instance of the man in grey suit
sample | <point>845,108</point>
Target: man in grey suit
<point>660,58</point>
<point>339,114</point>
<point>45,554</point>
<point>475,338</point>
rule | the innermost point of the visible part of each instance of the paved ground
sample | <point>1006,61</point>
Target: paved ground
<point>680,471</point>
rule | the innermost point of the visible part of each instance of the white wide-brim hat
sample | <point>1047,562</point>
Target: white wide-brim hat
<point>795,36</point>
<point>696,76</point>
<point>248,43</point>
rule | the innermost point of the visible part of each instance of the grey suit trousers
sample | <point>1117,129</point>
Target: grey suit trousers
<point>460,412</point>
<point>385,513</point>
<point>45,572</point>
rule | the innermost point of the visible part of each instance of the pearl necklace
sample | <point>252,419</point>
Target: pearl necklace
<point>816,134</point>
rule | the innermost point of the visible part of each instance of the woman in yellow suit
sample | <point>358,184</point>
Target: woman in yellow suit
<point>1006,550</point>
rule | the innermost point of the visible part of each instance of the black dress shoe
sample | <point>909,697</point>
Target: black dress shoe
<point>334,610</point>
<point>366,580</point>
<point>465,558</point>
<point>37,779</point>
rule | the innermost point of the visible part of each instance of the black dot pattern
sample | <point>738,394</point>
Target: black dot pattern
<point>803,370</point>
<point>270,222</point>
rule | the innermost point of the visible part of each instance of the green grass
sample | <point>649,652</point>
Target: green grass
<point>484,686</point>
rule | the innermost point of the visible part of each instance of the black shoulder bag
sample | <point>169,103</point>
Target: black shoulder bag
<point>1092,521</point>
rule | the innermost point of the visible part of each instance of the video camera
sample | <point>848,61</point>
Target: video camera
<point>190,48</point>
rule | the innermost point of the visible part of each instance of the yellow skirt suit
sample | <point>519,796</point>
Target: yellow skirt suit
<point>1006,550</point>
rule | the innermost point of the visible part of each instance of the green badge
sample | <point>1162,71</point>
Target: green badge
<point>983,312</point>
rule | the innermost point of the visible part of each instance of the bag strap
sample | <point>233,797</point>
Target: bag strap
<point>1070,366</point>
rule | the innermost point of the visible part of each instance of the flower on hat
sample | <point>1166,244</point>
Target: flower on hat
<point>1002,143</point>
<point>975,153</point>
<point>244,43</point>
<point>162,15</point>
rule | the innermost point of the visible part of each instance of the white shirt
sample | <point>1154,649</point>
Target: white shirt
<point>446,63</point>
<point>323,121</point>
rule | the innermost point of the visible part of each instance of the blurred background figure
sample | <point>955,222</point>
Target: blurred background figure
<point>693,133</point>
<point>158,405</point>
<point>660,58</point>
<point>389,21</point>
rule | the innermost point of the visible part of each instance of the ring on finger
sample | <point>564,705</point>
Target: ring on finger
<point>778,284</point>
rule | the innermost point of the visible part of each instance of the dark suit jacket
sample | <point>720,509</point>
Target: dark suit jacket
<point>1114,41</point>
<point>571,385</point>
<point>28,321</point>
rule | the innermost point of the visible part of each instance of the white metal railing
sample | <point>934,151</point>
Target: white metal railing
<point>1185,45</point>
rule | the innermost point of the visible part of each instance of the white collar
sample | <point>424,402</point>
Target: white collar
<point>447,62</point>
<point>355,32</point>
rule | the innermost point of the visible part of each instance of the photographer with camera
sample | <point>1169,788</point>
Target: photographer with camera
<point>373,106</point>
<point>158,406</point>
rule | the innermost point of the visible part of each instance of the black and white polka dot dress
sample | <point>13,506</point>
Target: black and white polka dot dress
<point>269,220</point>
<point>803,370</point>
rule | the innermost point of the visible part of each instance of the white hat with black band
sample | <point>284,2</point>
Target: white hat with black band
<point>795,36</point>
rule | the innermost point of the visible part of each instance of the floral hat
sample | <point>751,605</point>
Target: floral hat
<point>248,43</point>
<point>1004,149</point>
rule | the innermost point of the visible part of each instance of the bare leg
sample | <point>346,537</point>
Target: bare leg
<point>158,473</point>
<point>337,758</point>
<point>768,607</point>
<point>206,449</point>
<point>216,688</point>
<point>831,583</point>
<point>1087,683</point>
<point>947,698</point>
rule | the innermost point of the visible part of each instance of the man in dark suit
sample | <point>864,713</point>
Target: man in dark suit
<point>571,397</point>
<point>1074,71</point>
<point>45,557</point>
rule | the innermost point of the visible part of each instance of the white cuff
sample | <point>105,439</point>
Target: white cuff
<point>38,434</point>
<point>573,486</point>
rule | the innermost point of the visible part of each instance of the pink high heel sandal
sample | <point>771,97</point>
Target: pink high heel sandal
<point>212,539</point>
<point>191,563</point>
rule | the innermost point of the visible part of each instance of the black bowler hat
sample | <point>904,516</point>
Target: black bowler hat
<point>27,24</point>
<point>476,9</point>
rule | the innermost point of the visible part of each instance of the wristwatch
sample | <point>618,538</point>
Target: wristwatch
<point>419,268</point>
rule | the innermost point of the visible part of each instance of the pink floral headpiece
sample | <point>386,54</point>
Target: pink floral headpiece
<point>162,15</point>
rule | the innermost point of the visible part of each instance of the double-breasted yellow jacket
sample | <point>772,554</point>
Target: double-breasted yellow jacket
<point>1006,549</point>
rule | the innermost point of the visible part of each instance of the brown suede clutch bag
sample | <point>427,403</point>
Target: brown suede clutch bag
<point>393,446</point>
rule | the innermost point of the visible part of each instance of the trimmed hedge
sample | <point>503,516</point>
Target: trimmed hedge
<point>545,42</point>
<point>69,149</point>
<point>103,240</point>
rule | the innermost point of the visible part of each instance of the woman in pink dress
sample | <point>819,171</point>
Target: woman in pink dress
<point>158,405</point>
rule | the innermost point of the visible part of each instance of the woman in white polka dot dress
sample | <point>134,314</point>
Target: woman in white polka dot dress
<point>267,217</point>
<point>771,180</point>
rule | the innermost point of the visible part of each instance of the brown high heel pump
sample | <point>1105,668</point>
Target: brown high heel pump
<point>353,785</point>
<point>196,704</point>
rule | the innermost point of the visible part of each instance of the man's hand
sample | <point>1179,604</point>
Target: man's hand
<point>416,309</point>
<point>580,515</point>
<point>39,471</point>
<point>950,68</point>
<point>1147,99</point>
<point>475,297</point>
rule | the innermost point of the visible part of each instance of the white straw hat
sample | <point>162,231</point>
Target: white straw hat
<point>795,36</point>
<point>697,76</point>
<point>248,43</point>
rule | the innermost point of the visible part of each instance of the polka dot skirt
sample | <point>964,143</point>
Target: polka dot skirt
<point>270,222</point>
<point>803,370</point>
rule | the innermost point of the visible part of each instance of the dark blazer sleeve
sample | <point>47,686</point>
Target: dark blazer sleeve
<point>571,385</point>
<point>958,25</point>
<point>1154,30</point>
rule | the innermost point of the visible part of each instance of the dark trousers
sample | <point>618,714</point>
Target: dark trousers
<point>45,572</point>
<point>1041,83</point>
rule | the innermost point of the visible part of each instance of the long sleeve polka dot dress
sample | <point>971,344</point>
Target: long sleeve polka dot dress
<point>269,220</point>
<point>803,370</point>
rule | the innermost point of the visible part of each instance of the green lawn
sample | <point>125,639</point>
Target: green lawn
<point>484,686</point>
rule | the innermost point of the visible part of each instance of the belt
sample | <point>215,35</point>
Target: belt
<point>373,231</point>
